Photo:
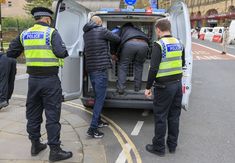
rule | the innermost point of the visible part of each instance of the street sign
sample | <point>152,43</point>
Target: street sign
<point>2,1</point>
<point>130,2</point>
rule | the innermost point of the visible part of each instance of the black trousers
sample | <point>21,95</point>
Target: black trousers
<point>7,77</point>
<point>167,110</point>
<point>44,93</point>
<point>136,52</point>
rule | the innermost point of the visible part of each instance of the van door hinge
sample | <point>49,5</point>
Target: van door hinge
<point>80,53</point>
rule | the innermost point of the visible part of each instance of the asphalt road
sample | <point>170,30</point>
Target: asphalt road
<point>207,130</point>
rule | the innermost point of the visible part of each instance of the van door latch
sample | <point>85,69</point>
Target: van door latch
<point>80,53</point>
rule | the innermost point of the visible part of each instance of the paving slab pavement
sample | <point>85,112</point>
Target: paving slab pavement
<point>15,145</point>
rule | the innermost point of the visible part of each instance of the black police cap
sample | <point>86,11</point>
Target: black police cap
<point>41,11</point>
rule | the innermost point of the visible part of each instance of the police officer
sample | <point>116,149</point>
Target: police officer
<point>44,51</point>
<point>165,72</point>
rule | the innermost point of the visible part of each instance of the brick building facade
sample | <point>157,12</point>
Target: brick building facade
<point>207,12</point>
<point>13,8</point>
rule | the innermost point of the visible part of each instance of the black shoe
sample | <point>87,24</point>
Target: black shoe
<point>95,133</point>
<point>137,89</point>
<point>150,148</point>
<point>37,147</point>
<point>172,150</point>
<point>102,124</point>
<point>3,104</point>
<point>57,154</point>
<point>120,91</point>
<point>223,53</point>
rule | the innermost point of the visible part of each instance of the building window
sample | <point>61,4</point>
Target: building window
<point>9,4</point>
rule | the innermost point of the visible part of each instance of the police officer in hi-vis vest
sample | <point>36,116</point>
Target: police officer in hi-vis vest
<point>44,52</point>
<point>165,75</point>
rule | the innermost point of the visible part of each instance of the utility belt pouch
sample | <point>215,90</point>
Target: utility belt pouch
<point>159,85</point>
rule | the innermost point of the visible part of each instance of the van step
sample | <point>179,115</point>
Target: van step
<point>128,95</point>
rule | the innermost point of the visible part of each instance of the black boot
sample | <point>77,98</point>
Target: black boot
<point>57,154</point>
<point>37,147</point>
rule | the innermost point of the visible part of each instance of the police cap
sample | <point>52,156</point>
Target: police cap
<point>41,11</point>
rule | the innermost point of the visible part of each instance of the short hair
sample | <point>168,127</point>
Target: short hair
<point>37,18</point>
<point>97,20</point>
<point>163,25</point>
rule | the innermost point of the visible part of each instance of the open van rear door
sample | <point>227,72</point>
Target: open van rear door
<point>181,29</point>
<point>70,19</point>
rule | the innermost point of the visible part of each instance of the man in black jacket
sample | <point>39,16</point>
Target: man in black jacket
<point>133,47</point>
<point>98,60</point>
<point>7,78</point>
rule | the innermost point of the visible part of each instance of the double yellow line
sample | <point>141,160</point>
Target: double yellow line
<point>121,136</point>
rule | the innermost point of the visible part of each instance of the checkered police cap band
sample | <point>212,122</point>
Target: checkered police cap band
<point>42,14</point>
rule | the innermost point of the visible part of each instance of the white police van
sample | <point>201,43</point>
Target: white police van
<point>70,19</point>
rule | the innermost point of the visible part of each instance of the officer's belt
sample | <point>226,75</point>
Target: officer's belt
<point>42,60</point>
<point>39,47</point>
<point>166,83</point>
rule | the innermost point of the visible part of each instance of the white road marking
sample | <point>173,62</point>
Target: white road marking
<point>21,77</point>
<point>200,52</point>
<point>122,158</point>
<point>206,57</point>
<point>137,128</point>
<point>145,113</point>
<point>198,58</point>
<point>213,49</point>
<point>19,96</point>
<point>215,57</point>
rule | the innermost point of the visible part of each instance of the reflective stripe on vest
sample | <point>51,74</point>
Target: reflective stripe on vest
<point>37,47</point>
<point>171,63</point>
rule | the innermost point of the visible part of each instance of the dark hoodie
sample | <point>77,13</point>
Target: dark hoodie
<point>128,32</point>
<point>97,52</point>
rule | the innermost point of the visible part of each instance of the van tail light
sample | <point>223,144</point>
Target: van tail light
<point>184,89</point>
<point>90,102</point>
<point>149,10</point>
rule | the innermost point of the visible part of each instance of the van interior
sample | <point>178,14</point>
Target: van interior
<point>146,24</point>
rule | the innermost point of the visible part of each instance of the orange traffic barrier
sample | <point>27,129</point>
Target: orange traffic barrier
<point>201,36</point>
<point>217,38</point>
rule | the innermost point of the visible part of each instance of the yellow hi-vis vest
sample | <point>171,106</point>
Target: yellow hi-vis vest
<point>37,47</point>
<point>171,63</point>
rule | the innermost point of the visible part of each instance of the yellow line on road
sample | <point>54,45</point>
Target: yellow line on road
<point>129,141</point>
<point>119,138</point>
<point>116,134</point>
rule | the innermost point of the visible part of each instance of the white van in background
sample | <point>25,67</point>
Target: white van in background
<point>70,20</point>
<point>232,33</point>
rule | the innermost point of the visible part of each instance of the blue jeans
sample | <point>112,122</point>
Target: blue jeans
<point>99,81</point>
